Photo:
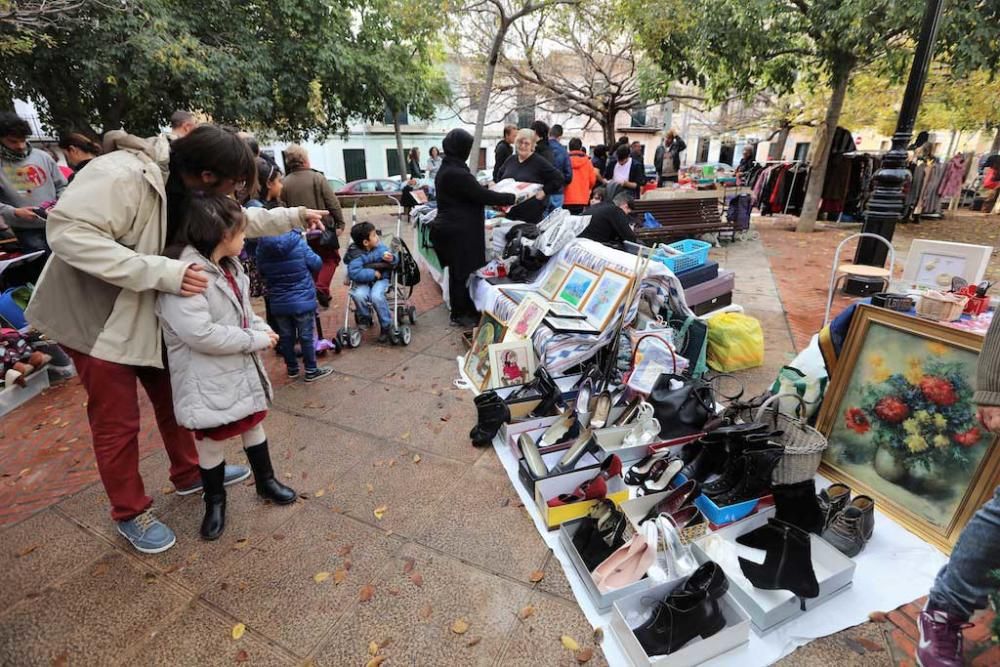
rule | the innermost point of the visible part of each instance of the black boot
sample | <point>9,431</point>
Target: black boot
<point>708,459</point>
<point>795,504</point>
<point>788,565</point>
<point>263,476</point>
<point>215,501</point>
<point>492,413</point>
<point>760,464</point>
<point>678,619</point>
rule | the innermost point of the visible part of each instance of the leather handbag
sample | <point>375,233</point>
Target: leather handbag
<point>681,404</point>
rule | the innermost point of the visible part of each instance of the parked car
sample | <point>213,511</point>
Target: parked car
<point>369,186</point>
<point>722,169</point>
<point>336,183</point>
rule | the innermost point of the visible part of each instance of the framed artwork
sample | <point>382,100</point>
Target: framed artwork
<point>477,360</point>
<point>576,286</point>
<point>902,425</point>
<point>932,264</point>
<point>526,318</point>
<point>570,325</point>
<point>602,302</point>
<point>553,281</point>
<point>560,309</point>
<point>515,295</point>
<point>511,363</point>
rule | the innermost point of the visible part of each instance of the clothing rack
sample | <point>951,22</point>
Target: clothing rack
<point>794,177</point>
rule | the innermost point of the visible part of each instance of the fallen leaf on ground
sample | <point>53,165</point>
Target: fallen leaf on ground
<point>242,656</point>
<point>569,643</point>
<point>167,490</point>
<point>380,512</point>
<point>370,488</point>
<point>150,577</point>
<point>426,612</point>
<point>27,550</point>
<point>278,536</point>
<point>100,570</point>
<point>344,550</point>
<point>393,591</point>
<point>526,612</point>
<point>319,493</point>
<point>405,436</point>
<point>392,462</point>
<point>372,648</point>
<point>241,543</point>
<point>408,564</point>
<point>339,576</point>
<point>416,458</point>
<point>505,502</point>
<point>347,565</point>
<point>417,579</point>
<point>366,592</point>
<point>473,641</point>
<point>62,449</point>
<point>445,418</point>
<point>584,655</point>
<point>238,630</point>
<point>598,635</point>
<point>375,661</point>
<point>536,576</point>
<point>460,627</point>
<point>320,577</point>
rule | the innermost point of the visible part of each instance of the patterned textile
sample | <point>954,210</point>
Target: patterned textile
<point>559,352</point>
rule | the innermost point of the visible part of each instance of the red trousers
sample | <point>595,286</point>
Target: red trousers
<point>113,412</point>
<point>331,260</point>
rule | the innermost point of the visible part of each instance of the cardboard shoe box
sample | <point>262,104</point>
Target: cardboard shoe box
<point>551,487</point>
<point>769,609</point>
<point>587,462</point>
<point>633,610</point>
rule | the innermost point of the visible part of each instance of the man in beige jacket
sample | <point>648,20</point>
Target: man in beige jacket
<point>98,291</point>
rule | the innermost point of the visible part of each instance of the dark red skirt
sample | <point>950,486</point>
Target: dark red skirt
<point>227,431</point>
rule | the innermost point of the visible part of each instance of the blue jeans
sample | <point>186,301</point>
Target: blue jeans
<point>555,201</point>
<point>964,582</point>
<point>297,327</point>
<point>376,293</point>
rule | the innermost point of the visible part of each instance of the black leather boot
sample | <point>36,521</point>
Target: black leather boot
<point>678,619</point>
<point>709,459</point>
<point>759,465</point>
<point>263,476</point>
<point>788,564</point>
<point>215,501</point>
<point>795,504</point>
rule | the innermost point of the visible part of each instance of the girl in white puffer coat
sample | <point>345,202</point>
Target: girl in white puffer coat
<point>219,384</point>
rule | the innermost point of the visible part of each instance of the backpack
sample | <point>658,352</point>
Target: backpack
<point>408,271</point>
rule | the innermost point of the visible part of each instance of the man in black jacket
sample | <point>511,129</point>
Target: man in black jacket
<point>626,171</point>
<point>542,147</point>
<point>609,221</point>
<point>459,233</point>
<point>504,149</point>
<point>667,160</point>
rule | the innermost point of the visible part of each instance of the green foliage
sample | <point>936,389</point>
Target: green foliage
<point>296,67</point>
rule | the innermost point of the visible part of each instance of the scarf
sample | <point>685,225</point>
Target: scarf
<point>10,155</point>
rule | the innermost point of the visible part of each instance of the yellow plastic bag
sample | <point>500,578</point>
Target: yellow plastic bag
<point>735,342</point>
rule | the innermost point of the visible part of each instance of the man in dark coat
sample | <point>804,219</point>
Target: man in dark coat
<point>626,171</point>
<point>459,233</point>
<point>542,147</point>
<point>504,149</point>
<point>609,221</point>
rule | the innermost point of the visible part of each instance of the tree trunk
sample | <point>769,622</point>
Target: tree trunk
<point>484,99</point>
<point>777,147</point>
<point>995,148</point>
<point>399,146</point>
<point>608,127</point>
<point>824,139</point>
<point>951,144</point>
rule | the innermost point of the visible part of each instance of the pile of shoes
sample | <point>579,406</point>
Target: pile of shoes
<point>493,411</point>
<point>691,609</point>
<point>18,358</point>
<point>743,456</point>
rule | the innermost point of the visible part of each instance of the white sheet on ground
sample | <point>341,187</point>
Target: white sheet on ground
<point>896,567</point>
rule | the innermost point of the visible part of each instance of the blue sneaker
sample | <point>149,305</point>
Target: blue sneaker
<point>233,474</point>
<point>147,533</point>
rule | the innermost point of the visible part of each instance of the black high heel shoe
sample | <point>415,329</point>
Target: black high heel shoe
<point>795,504</point>
<point>788,564</point>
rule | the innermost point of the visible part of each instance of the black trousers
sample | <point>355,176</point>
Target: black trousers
<point>459,253</point>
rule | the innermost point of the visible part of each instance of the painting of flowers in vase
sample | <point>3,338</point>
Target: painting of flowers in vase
<point>901,421</point>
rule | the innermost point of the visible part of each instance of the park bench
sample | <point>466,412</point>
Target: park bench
<point>680,218</point>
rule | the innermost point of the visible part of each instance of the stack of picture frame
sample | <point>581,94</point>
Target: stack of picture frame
<point>581,300</point>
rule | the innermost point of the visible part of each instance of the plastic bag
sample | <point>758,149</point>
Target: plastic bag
<point>735,342</point>
<point>653,355</point>
<point>649,222</point>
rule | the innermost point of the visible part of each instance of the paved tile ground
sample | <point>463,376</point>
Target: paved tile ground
<point>386,433</point>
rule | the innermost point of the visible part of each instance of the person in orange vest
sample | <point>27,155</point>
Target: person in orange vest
<point>577,192</point>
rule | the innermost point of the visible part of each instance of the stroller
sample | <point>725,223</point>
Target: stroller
<point>404,278</point>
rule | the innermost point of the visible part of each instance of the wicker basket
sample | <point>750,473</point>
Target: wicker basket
<point>803,444</point>
<point>941,307</point>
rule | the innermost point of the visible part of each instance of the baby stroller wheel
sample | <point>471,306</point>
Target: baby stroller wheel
<point>354,337</point>
<point>412,312</point>
<point>405,335</point>
<point>343,337</point>
<point>394,337</point>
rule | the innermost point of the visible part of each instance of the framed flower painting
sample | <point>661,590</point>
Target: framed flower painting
<point>902,426</point>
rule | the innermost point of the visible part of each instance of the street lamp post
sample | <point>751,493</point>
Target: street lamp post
<point>885,208</point>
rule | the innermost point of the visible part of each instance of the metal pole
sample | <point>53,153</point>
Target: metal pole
<point>885,208</point>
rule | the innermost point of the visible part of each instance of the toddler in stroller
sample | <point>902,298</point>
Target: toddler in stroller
<point>369,267</point>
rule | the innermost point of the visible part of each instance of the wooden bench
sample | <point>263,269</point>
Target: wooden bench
<point>679,219</point>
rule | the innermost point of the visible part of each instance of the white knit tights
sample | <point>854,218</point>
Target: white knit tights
<point>212,452</point>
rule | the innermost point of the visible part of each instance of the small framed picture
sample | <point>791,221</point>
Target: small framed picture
<point>560,309</point>
<point>576,287</point>
<point>477,361</point>
<point>603,299</point>
<point>570,325</point>
<point>526,318</point>
<point>511,363</point>
<point>553,281</point>
<point>515,295</point>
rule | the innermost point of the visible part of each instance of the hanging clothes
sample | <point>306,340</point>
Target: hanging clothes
<point>931,199</point>
<point>951,181</point>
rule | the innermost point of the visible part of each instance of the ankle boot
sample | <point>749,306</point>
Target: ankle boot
<point>215,501</point>
<point>760,464</point>
<point>263,476</point>
<point>678,619</point>
<point>788,564</point>
<point>710,458</point>
<point>731,467</point>
<point>795,504</point>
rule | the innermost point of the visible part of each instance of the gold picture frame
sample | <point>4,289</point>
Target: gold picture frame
<point>576,286</point>
<point>476,365</point>
<point>901,423</point>
<point>604,298</point>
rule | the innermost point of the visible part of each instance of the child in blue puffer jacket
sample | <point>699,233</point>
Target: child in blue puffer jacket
<point>287,264</point>
<point>369,265</point>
